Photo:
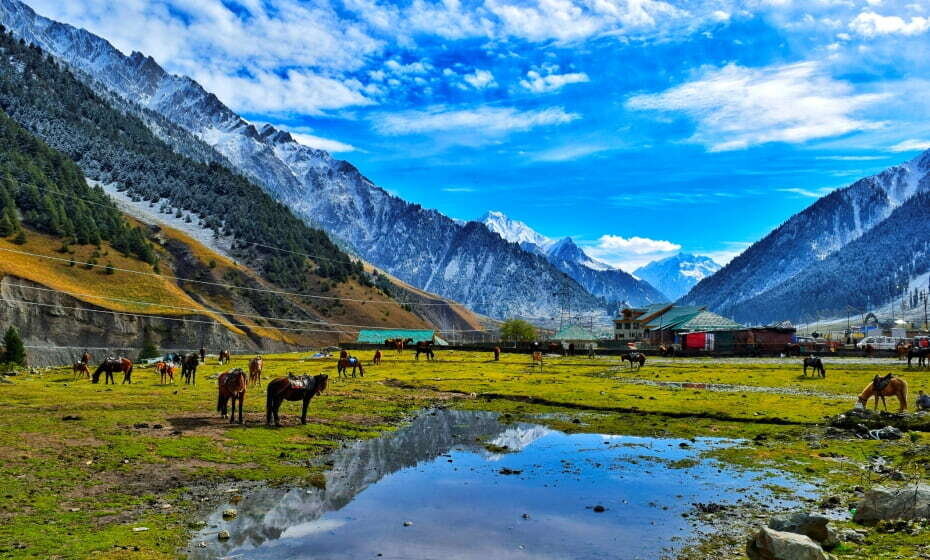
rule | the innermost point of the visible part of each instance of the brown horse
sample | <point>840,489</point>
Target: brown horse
<point>343,365</point>
<point>892,386</point>
<point>497,353</point>
<point>225,357</point>
<point>80,370</point>
<point>816,364</point>
<point>538,359</point>
<point>110,366</point>
<point>86,357</point>
<point>901,350</point>
<point>425,347</point>
<point>398,344</point>
<point>634,357</point>
<point>377,359</point>
<point>231,385</point>
<point>291,388</point>
<point>166,371</point>
<point>256,365</point>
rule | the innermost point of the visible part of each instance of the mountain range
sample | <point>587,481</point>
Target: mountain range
<point>610,283</point>
<point>675,276</point>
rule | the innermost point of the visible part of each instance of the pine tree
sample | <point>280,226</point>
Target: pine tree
<point>14,352</point>
<point>6,228</point>
<point>20,239</point>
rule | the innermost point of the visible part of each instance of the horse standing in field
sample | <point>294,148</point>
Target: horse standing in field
<point>816,364</point>
<point>882,387</point>
<point>225,357</point>
<point>256,365</point>
<point>232,385</point>
<point>86,357</point>
<point>80,370</point>
<point>634,357</point>
<point>376,361</point>
<point>398,344</point>
<point>343,364</point>
<point>110,366</point>
<point>920,353</point>
<point>166,371</point>
<point>302,388</point>
<point>497,353</point>
<point>189,368</point>
<point>425,347</point>
<point>901,350</point>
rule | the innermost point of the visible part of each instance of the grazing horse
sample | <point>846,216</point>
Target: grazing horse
<point>225,356</point>
<point>256,365</point>
<point>920,353</point>
<point>291,388</point>
<point>882,387</point>
<point>497,353</point>
<point>398,344</point>
<point>232,385</point>
<point>189,368</point>
<point>425,347</point>
<point>343,365</point>
<point>110,366</point>
<point>816,364</point>
<point>80,370</point>
<point>377,359</point>
<point>634,357</point>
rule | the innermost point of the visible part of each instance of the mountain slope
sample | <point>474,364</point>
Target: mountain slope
<point>423,247</point>
<point>809,237</point>
<point>675,276</point>
<point>598,278</point>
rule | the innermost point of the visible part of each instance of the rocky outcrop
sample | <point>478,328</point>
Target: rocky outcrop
<point>813,525</point>
<point>57,327</point>
<point>906,503</point>
<point>769,544</point>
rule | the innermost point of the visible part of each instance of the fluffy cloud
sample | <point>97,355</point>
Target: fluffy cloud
<point>630,253</point>
<point>808,193</point>
<point>484,120</point>
<point>910,146</point>
<point>551,81</point>
<point>870,24</point>
<point>480,79</point>
<point>321,143</point>
<point>736,107</point>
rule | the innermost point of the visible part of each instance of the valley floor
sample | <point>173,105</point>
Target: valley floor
<point>84,465</point>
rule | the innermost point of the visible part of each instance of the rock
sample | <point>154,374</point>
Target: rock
<point>140,425</point>
<point>888,432</point>
<point>769,544</point>
<point>198,524</point>
<point>139,529</point>
<point>851,535</point>
<point>230,513</point>
<point>223,535</point>
<point>815,526</point>
<point>910,502</point>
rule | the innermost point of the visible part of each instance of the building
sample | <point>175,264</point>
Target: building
<point>661,323</point>
<point>378,336</point>
<point>573,334</point>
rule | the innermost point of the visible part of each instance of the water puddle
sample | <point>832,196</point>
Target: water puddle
<point>441,488</point>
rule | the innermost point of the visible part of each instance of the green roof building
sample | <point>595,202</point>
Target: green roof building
<point>378,336</point>
<point>574,333</point>
<point>664,318</point>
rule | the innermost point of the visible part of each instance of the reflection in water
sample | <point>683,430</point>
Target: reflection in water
<point>437,474</point>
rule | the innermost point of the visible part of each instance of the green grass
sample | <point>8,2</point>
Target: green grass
<point>118,476</point>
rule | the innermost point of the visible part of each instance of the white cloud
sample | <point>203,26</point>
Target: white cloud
<point>910,146</point>
<point>736,107</point>
<point>487,120</point>
<point>295,91</point>
<point>819,193</point>
<point>630,253</point>
<point>480,79</point>
<point>870,24</point>
<point>458,189</point>
<point>539,83</point>
<point>321,143</point>
<point>569,153</point>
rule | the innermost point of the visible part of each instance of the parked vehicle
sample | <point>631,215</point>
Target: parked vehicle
<point>878,342</point>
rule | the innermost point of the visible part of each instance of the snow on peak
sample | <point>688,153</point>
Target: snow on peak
<point>676,275</point>
<point>514,231</point>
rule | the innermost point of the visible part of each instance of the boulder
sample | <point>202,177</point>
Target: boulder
<point>769,544</point>
<point>908,502</point>
<point>815,526</point>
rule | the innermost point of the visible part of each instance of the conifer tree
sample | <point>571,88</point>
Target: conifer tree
<point>14,352</point>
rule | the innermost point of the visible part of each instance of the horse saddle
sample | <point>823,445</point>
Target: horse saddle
<point>880,383</point>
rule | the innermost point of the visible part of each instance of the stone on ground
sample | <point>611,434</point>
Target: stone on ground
<point>815,526</point>
<point>907,502</point>
<point>769,544</point>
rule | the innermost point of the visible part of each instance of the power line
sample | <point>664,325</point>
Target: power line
<point>207,310</point>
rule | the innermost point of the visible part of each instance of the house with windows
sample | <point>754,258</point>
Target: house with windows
<point>661,323</point>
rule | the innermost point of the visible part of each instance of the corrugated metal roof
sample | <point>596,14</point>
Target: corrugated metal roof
<point>674,317</point>
<point>574,332</point>
<point>378,336</point>
<point>709,321</point>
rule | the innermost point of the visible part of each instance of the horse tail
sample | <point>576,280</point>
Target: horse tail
<point>219,400</point>
<point>903,395</point>
<point>269,402</point>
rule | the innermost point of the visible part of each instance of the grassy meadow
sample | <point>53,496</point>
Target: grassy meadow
<point>127,455</point>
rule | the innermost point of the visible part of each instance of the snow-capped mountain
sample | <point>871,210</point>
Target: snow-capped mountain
<point>599,278</point>
<point>676,275</point>
<point>802,268</point>
<point>467,263</point>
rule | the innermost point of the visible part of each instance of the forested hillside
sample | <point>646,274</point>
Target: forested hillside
<point>115,147</point>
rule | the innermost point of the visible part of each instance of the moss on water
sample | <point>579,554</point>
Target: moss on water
<point>77,488</point>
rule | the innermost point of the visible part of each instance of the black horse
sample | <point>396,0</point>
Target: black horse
<point>425,347</point>
<point>291,388</point>
<point>189,368</point>
<point>634,357</point>
<point>920,353</point>
<point>816,364</point>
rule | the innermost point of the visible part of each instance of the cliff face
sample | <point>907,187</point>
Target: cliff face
<point>60,327</point>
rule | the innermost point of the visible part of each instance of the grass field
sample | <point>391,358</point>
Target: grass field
<point>75,488</point>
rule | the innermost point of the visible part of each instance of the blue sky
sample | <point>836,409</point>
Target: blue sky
<point>638,127</point>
